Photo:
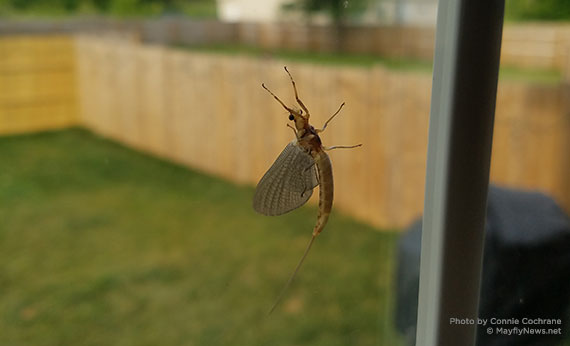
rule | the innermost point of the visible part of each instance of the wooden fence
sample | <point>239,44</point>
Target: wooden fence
<point>543,45</point>
<point>210,113</point>
<point>37,83</point>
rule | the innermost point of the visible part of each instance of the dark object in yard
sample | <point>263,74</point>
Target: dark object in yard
<point>526,270</point>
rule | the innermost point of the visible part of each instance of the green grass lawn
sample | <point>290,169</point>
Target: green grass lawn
<point>103,245</point>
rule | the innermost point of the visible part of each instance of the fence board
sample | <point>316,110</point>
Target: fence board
<point>37,83</point>
<point>209,112</point>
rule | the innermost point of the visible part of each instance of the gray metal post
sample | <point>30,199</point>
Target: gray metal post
<point>466,63</point>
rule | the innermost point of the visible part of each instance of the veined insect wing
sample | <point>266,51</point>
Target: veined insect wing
<point>288,184</point>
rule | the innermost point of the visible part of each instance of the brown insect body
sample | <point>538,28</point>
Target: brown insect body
<point>311,141</point>
<point>326,190</point>
<point>277,193</point>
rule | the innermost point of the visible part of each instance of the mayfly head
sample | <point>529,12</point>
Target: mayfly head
<point>299,119</point>
<point>299,116</point>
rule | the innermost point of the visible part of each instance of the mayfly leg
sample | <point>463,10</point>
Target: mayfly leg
<point>277,98</point>
<point>331,118</point>
<point>294,130</point>
<point>297,94</point>
<point>325,126</point>
<point>342,147</point>
<point>305,189</point>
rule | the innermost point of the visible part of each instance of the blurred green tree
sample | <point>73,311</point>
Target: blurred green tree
<point>193,8</point>
<point>546,10</point>
<point>339,11</point>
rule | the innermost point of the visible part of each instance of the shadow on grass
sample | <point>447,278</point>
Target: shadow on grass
<point>102,245</point>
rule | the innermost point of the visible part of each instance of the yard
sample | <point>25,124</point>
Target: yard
<point>103,245</point>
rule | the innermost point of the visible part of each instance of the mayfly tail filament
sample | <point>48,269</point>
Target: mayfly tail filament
<point>292,277</point>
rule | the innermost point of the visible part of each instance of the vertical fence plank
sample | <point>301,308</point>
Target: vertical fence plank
<point>37,83</point>
<point>151,91</point>
<point>242,74</point>
<point>378,191</point>
<point>127,72</point>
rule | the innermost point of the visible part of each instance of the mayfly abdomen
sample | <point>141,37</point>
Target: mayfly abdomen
<point>326,190</point>
<point>288,184</point>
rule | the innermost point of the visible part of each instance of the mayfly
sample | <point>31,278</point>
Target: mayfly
<point>301,166</point>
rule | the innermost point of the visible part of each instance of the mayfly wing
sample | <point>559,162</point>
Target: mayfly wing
<point>288,184</point>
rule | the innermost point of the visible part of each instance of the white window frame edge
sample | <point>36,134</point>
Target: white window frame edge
<point>462,104</point>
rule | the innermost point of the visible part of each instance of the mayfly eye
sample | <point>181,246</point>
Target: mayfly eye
<point>291,117</point>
